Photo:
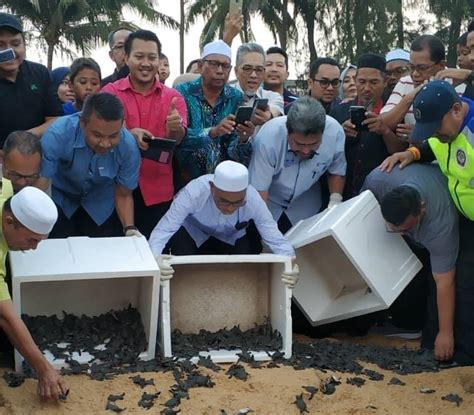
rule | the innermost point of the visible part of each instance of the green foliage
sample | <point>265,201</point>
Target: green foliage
<point>83,23</point>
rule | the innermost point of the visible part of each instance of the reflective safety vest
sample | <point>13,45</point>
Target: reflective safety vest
<point>456,160</point>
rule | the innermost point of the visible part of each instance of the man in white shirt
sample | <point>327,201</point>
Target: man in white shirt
<point>250,73</point>
<point>211,215</point>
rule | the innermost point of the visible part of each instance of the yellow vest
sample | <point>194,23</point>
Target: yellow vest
<point>6,192</point>
<point>456,160</point>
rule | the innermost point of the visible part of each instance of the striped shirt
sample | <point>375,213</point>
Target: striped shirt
<point>404,86</point>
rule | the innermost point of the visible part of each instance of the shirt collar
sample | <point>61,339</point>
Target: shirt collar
<point>195,88</point>
<point>127,84</point>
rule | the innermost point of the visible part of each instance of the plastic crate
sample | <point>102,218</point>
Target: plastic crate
<point>349,264</point>
<point>211,292</point>
<point>87,276</point>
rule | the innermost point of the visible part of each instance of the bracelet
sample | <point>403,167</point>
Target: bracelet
<point>415,152</point>
<point>128,228</point>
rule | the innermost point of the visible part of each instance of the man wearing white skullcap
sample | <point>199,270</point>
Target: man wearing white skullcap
<point>211,216</point>
<point>212,134</point>
<point>396,67</point>
<point>26,219</point>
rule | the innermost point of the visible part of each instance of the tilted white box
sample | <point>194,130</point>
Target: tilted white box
<point>215,291</point>
<point>87,276</point>
<point>349,264</point>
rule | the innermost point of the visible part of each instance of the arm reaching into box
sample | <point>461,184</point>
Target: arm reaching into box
<point>290,278</point>
<point>50,383</point>
<point>445,295</point>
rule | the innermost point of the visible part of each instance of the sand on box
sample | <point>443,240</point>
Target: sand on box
<point>267,391</point>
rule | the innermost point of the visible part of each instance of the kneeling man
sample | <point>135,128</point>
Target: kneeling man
<point>211,215</point>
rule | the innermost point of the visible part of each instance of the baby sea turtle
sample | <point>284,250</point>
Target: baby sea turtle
<point>453,397</point>
<point>396,381</point>
<point>301,404</point>
<point>237,371</point>
<point>114,398</point>
<point>311,390</point>
<point>114,408</point>
<point>355,381</point>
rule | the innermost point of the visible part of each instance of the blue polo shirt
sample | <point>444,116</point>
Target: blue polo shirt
<point>293,183</point>
<point>81,177</point>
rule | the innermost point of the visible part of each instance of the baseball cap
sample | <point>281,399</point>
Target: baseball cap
<point>8,20</point>
<point>431,104</point>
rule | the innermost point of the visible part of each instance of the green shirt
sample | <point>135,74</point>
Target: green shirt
<point>6,192</point>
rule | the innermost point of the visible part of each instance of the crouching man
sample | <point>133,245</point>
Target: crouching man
<point>211,216</point>
<point>26,219</point>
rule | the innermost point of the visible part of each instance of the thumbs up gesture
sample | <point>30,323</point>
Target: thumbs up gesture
<point>174,123</point>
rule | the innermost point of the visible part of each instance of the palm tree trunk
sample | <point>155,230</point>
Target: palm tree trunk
<point>181,36</point>
<point>283,34</point>
<point>50,55</point>
<point>312,48</point>
<point>454,31</point>
<point>360,24</point>
<point>400,29</point>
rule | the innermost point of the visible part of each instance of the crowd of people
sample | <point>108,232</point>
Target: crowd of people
<point>182,167</point>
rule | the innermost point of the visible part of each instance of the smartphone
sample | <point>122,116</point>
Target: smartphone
<point>244,114</point>
<point>261,104</point>
<point>7,55</point>
<point>357,116</point>
<point>235,7</point>
<point>159,150</point>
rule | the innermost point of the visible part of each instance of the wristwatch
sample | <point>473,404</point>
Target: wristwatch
<point>470,79</point>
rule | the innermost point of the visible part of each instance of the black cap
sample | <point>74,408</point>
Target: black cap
<point>372,60</point>
<point>10,21</point>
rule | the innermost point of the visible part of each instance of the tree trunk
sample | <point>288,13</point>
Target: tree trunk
<point>285,17</point>
<point>312,47</point>
<point>360,24</point>
<point>400,28</point>
<point>181,36</point>
<point>348,29</point>
<point>50,55</point>
<point>454,30</point>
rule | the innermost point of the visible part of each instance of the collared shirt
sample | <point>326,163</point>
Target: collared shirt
<point>116,75</point>
<point>195,209</point>
<point>26,102</point>
<point>81,177</point>
<point>149,111</point>
<point>199,154</point>
<point>289,97</point>
<point>275,100</point>
<point>404,86</point>
<point>438,230</point>
<point>291,182</point>
<point>7,191</point>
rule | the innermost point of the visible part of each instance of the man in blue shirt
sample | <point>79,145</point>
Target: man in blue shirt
<point>92,163</point>
<point>290,155</point>
<point>211,216</point>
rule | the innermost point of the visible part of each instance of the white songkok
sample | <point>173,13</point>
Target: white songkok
<point>397,54</point>
<point>231,176</point>
<point>34,209</point>
<point>218,47</point>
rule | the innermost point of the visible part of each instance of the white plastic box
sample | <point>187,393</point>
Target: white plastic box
<point>215,291</point>
<point>349,264</point>
<point>87,276</point>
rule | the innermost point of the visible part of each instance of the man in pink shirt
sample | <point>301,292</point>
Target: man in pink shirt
<point>151,110</point>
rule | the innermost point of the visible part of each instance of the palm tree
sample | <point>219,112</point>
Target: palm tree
<point>82,23</point>
<point>274,14</point>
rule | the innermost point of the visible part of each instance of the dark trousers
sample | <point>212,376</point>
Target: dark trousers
<point>464,315</point>
<point>183,244</point>
<point>81,224</point>
<point>146,217</point>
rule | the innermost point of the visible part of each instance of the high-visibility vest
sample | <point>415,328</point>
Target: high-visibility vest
<point>456,160</point>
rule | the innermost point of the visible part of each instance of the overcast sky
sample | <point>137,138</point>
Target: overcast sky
<point>169,39</point>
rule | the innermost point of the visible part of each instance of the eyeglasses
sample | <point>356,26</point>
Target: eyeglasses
<point>14,176</point>
<point>215,64</point>
<point>248,69</point>
<point>228,203</point>
<point>326,82</point>
<point>401,70</point>
<point>420,68</point>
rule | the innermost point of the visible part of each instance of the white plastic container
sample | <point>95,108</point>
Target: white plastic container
<point>87,276</point>
<point>215,291</point>
<point>349,264</point>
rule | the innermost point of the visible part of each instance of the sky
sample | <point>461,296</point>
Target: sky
<point>169,39</point>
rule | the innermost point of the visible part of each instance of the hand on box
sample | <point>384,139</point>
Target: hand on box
<point>334,200</point>
<point>166,270</point>
<point>133,232</point>
<point>290,278</point>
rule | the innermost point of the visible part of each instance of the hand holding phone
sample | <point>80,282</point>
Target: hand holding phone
<point>244,114</point>
<point>235,7</point>
<point>7,55</point>
<point>160,149</point>
<point>358,116</point>
<point>261,104</point>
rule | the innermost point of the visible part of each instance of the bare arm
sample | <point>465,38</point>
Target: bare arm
<point>124,205</point>
<point>232,27</point>
<point>336,183</point>
<point>50,384</point>
<point>445,296</point>
<point>264,196</point>
<point>39,131</point>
